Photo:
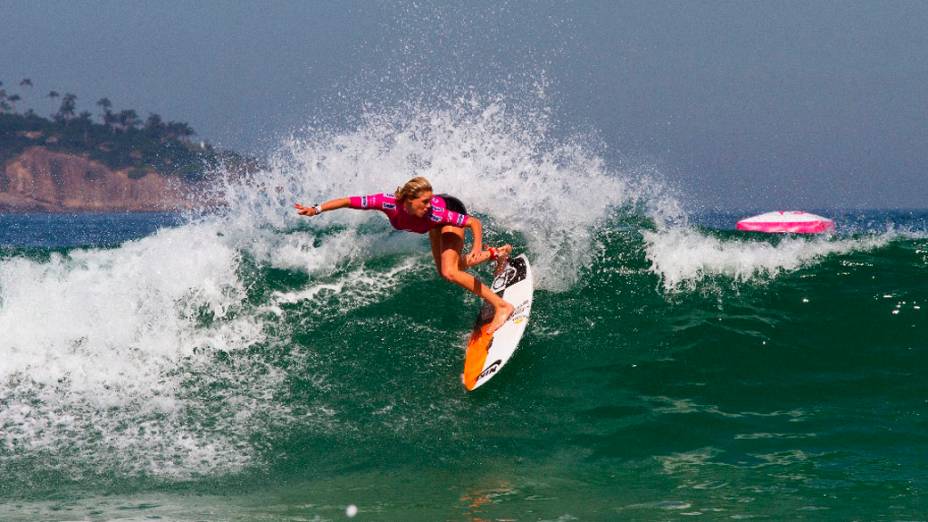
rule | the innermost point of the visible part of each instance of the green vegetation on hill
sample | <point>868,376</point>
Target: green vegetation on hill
<point>120,140</point>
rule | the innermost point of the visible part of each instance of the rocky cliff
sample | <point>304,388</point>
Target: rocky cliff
<point>39,179</point>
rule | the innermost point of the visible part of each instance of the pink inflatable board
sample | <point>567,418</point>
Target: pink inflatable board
<point>787,221</point>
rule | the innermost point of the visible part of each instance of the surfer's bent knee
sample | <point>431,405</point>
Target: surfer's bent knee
<point>448,270</point>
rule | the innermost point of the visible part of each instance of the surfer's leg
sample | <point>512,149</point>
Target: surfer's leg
<point>451,243</point>
<point>435,240</point>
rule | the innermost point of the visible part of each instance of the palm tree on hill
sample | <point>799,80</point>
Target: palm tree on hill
<point>68,106</point>
<point>107,117</point>
<point>154,125</point>
<point>105,104</point>
<point>129,119</point>
<point>85,123</point>
<point>52,95</point>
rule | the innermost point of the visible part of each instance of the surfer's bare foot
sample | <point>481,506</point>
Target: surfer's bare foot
<point>500,316</point>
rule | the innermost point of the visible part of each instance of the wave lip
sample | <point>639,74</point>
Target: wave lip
<point>682,257</point>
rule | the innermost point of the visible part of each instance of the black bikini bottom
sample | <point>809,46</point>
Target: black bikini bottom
<point>453,204</point>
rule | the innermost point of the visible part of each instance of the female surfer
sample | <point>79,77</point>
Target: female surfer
<point>413,207</point>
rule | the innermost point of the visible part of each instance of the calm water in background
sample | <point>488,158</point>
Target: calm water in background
<point>155,367</point>
<point>75,230</point>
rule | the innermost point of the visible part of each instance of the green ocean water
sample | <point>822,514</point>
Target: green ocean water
<point>250,364</point>
<point>791,393</point>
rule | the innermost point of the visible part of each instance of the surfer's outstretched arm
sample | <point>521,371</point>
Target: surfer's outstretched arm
<point>332,204</point>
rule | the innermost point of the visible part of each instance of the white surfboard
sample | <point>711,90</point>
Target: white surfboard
<point>487,354</point>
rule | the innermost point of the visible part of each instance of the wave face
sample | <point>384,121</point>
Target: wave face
<point>672,366</point>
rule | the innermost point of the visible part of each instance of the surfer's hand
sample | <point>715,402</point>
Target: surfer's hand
<point>473,257</point>
<point>304,211</point>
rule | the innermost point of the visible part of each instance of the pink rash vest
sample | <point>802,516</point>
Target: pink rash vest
<point>438,215</point>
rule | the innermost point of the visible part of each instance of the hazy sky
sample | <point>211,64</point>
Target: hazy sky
<point>739,104</point>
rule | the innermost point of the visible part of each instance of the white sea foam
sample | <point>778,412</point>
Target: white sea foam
<point>97,345</point>
<point>682,256</point>
<point>503,164</point>
<point>137,301</point>
<point>351,291</point>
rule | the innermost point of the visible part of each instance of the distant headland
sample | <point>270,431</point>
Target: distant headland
<point>70,163</point>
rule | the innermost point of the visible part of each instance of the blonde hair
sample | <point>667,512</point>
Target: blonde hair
<point>413,188</point>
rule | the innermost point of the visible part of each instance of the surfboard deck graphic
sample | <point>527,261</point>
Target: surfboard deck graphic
<point>487,354</point>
